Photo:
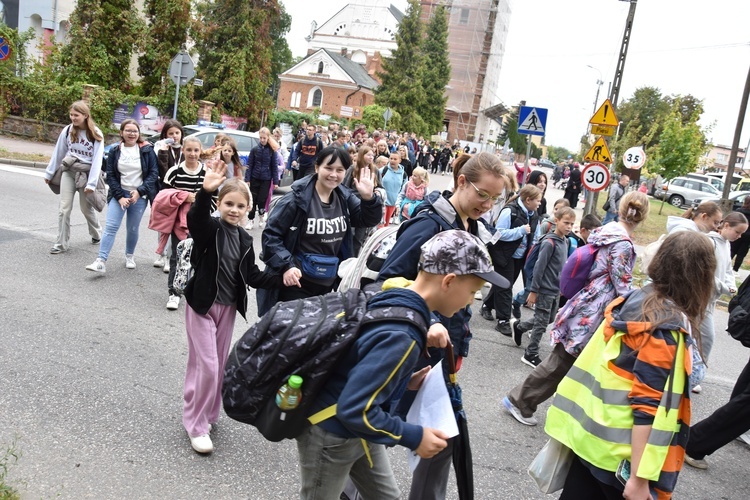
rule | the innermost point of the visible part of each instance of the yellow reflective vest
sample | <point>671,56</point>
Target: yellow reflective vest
<point>593,410</point>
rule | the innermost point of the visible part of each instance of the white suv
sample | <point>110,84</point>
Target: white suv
<point>682,191</point>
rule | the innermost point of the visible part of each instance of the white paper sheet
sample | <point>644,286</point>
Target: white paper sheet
<point>432,408</point>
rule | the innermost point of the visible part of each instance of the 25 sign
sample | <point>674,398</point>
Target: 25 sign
<point>634,157</point>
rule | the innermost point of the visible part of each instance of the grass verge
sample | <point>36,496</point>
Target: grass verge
<point>655,225</point>
<point>4,153</point>
<point>8,458</point>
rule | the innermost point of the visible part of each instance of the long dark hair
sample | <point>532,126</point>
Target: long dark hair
<point>172,124</point>
<point>682,272</point>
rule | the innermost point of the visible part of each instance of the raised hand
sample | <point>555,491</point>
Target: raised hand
<point>366,183</point>
<point>216,174</point>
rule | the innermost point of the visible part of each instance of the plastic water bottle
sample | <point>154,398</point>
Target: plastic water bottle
<point>290,394</point>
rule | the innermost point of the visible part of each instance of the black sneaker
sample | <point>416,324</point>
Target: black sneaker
<point>504,328</point>
<point>487,314</point>
<point>532,361</point>
<point>516,310</point>
<point>95,241</point>
<point>517,331</point>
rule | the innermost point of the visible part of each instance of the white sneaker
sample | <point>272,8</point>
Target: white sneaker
<point>202,444</point>
<point>98,266</point>
<point>697,389</point>
<point>173,303</point>
<point>129,262</point>
<point>249,225</point>
<point>745,438</point>
<point>516,413</point>
<point>159,262</point>
<point>262,222</point>
<point>166,267</point>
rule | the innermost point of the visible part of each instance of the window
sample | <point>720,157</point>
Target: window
<point>317,97</point>
<point>296,96</point>
<point>244,143</point>
<point>678,182</point>
<point>464,16</point>
<point>722,158</point>
<point>320,67</point>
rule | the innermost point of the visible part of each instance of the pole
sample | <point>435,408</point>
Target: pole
<point>177,92</point>
<point>526,163</point>
<point>726,205</point>
<point>614,93</point>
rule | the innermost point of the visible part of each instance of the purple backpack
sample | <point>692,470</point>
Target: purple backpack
<point>576,270</point>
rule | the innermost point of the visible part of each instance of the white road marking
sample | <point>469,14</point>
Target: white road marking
<point>35,172</point>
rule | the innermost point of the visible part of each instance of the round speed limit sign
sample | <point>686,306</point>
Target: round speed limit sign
<point>595,176</point>
<point>634,157</point>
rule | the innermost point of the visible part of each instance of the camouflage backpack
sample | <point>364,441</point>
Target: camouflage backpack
<point>303,337</point>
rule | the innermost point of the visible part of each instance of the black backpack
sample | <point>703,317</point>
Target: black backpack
<point>738,325</point>
<point>305,337</point>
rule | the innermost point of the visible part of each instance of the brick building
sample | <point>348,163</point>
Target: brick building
<point>328,81</point>
<point>344,55</point>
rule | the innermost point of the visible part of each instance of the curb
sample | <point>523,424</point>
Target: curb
<point>23,163</point>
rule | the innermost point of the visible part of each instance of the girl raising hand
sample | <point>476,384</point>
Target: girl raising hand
<point>224,267</point>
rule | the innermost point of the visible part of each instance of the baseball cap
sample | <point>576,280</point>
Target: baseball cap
<point>461,253</point>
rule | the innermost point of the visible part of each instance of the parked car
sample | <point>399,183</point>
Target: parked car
<point>736,197</point>
<point>713,180</point>
<point>682,191</point>
<point>544,162</point>
<point>189,129</point>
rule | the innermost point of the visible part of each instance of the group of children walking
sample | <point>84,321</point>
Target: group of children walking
<point>440,250</point>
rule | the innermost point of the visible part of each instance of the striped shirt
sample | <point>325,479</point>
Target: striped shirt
<point>184,179</point>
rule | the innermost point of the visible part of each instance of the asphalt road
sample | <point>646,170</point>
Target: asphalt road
<point>91,371</point>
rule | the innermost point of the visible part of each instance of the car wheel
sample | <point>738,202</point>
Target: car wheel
<point>676,201</point>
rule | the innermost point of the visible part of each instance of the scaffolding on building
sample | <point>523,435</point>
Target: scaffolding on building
<point>472,26</point>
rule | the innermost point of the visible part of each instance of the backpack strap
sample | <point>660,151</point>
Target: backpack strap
<point>377,315</point>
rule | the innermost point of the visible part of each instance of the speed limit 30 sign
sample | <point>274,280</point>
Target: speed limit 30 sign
<point>595,176</point>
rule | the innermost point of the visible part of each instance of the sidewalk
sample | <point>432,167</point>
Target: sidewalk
<point>19,145</point>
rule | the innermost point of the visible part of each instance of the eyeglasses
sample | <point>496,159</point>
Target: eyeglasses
<point>131,132</point>
<point>484,196</point>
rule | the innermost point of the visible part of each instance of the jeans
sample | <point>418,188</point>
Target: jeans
<point>115,213</point>
<point>707,332</point>
<point>609,217</point>
<point>545,310</point>
<point>67,193</point>
<point>326,460</point>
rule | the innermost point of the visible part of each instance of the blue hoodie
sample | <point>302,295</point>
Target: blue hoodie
<point>372,373</point>
<point>434,215</point>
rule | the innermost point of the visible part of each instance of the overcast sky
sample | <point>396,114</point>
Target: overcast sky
<point>680,46</point>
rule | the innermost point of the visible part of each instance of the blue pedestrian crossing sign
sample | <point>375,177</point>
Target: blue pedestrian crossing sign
<point>532,121</point>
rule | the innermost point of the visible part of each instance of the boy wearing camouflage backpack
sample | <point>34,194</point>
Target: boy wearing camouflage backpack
<point>453,267</point>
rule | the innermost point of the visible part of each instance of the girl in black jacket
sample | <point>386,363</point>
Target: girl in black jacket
<point>224,266</point>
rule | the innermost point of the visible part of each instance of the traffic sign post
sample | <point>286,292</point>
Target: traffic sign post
<point>531,121</point>
<point>181,70</point>
<point>634,157</point>
<point>595,176</point>
<point>605,115</point>
<point>5,49</point>
<point>599,152</point>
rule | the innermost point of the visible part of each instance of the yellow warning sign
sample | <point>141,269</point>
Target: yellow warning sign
<point>603,130</point>
<point>605,115</point>
<point>599,152</point>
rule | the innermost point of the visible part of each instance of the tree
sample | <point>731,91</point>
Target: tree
<point>557,153</point>
<point>509,132</point>
<point>235,56</point>
<point>437,72</point>
<point>168,23</point>
<point>372,118</point>
<point>680,146</point>
<point>103,35</point>
<point>282,58</point>
<point>401,85</point>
